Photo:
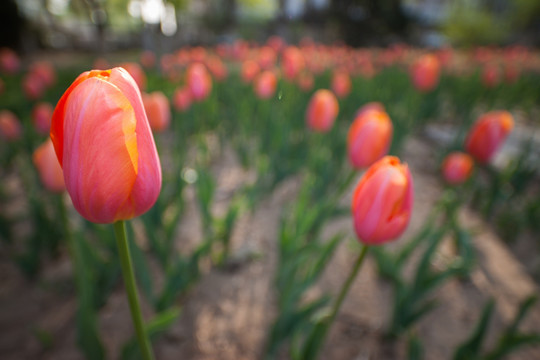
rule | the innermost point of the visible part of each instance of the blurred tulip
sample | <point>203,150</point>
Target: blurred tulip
<point>107,151</point>
<point>41,117</point>
<point>44,71</point>
<point>457,168</point>
<point>182,99</point>
<point>217,68</point>
<point>33,86</point>
<point>10,127</point>
<point>511,73</point>
<point>488,134</point>
<point>491,75</point>
<point>158,110</point>
<point>267,57</point>
<point>265,84</point>
<point>198,81</point>
<point>374,105</point>
<point>322,111</point>
<point>305,80</point>
<point>341,84</point>
<point>425,73</point>
<point>148,59</point>
<point>9,61</point>
<point>382,201</point>
<point>369,137</point>
<point>49,170</point>
<point>292,62</point>
<point>137,73</point>
<point>250,69</point>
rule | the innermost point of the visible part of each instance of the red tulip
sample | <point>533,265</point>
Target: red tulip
<point>322,111</point>
<point>182,99</point>
<point>49,169</point>
<point>425,73</point>
<point>341,84</point>
<point>382,201</point>
<point>488,134</point>
<point>198,81</point>
<point>9,61</point>
<point>41,117</point>
<point>265,84</point>
<point>10,127</point>
<point>158,110</point>
<point>491,75</point>
<point>105,146</point>
<point>457,168</point>
<point>369,137</point>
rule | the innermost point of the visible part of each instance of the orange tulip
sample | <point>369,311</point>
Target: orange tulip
<point>425,73</point>
<point>10,127</point>
<point>250,69</point>
<point>457,167</point>
<point>341,84</point>
<point>198,81</point>
<point>488,134</point>
<point>49,169</point>
<point>265,84</point>
<point>382,201</point>
<point>105,146</point>
<point>182,99</point>
<point>158,110</point>
<point>322,111</point>
<point>369,137</point>
<point>41,117</point>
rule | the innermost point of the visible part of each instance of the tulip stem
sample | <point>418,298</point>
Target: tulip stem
<point>131,288</point>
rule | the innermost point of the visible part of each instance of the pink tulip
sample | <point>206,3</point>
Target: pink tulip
<point>10,127</point>
<point>182,99</point>
<point>322,111</point>
<point>265,84</point>
<point>425,73</point>
<point>158,110</point>
<point>382,202</point>
<point>105,146</point>
<point>9,61</point>
<point>49,170</point>
<point>369,138</point>
<point>341,84</point>
<point>137,73</point>
<point>488,134</point>
<point>292,62</point>
<point>198,81</point>
<point>41,117</point>
<point>250,69</point>
<point>148,59</point>
<point>457,168</point>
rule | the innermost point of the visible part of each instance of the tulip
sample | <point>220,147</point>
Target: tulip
<point>265,84</point>
<point>488,134</point>
<point>158,110</point>
<point>250,69</point>
<point>341,84</point>
<point>369,136</point>
<point>457,168</point>
<point>292,62</point>
<point>105,146</point>
<point>10,127</point>
<point>44,71</point>
<point>48,168</point>
<point>182,99</point>
<point>41,117</point>
<point>305,81</point>
<point>425,73</point>
<point>491,75</point>
<point>148,59</point>
<point>9,61</point>
<point>382,201</point>
<point>33,86</point>
<point>322,110</point>
<point>374,105</point>
<point>217,68</point>
<point>198,81</point>
<point>267,57</point>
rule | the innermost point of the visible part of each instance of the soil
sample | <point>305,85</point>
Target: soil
<point>226,315</point>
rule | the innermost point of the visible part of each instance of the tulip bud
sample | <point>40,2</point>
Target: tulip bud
<point>10,127</point>
<point>49,169</point>
<point>9,61</point>
<point>105,146</point>
<point>292,62</point>
<point>250,69</point>
<point>198,81</point>
<point>341,84</point>
<point>382,201</point>
<point>369,137</point>
<point>491,75</point>
<point>322,111</point>
<point>41,117</point>
<point>158,110</point>
<point>488,134</point>
<point>182,99</point>
<point>425,73</point>
<point>305,81</point>
<point>457,168</point>
<point>265,84</point>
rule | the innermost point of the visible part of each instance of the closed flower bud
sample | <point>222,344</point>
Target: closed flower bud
<point>41,117</point>
<point>105,146</point>
<point>250,69</point>
<point>488,134</point>
<point>158,110</point>
<point>49,170</point>
<point>382,202</point>
<point>369,138</point>
<point>182,99</point>
<point>265,84</point>
<point>425,73</point>
<point>292,62</point>
<point>10,127</point>
<point>341,84</point>
<point>198,81</point>
<point>322,111</point>
<point>457,168</point>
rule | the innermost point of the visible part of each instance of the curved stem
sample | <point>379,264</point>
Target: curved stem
<point>131,289</point>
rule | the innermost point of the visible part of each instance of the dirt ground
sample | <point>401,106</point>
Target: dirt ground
<point>226,315</point>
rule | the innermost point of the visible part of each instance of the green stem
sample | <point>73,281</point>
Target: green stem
<point>131,288</point>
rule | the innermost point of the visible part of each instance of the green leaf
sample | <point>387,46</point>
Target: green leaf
<point>472,347</point>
